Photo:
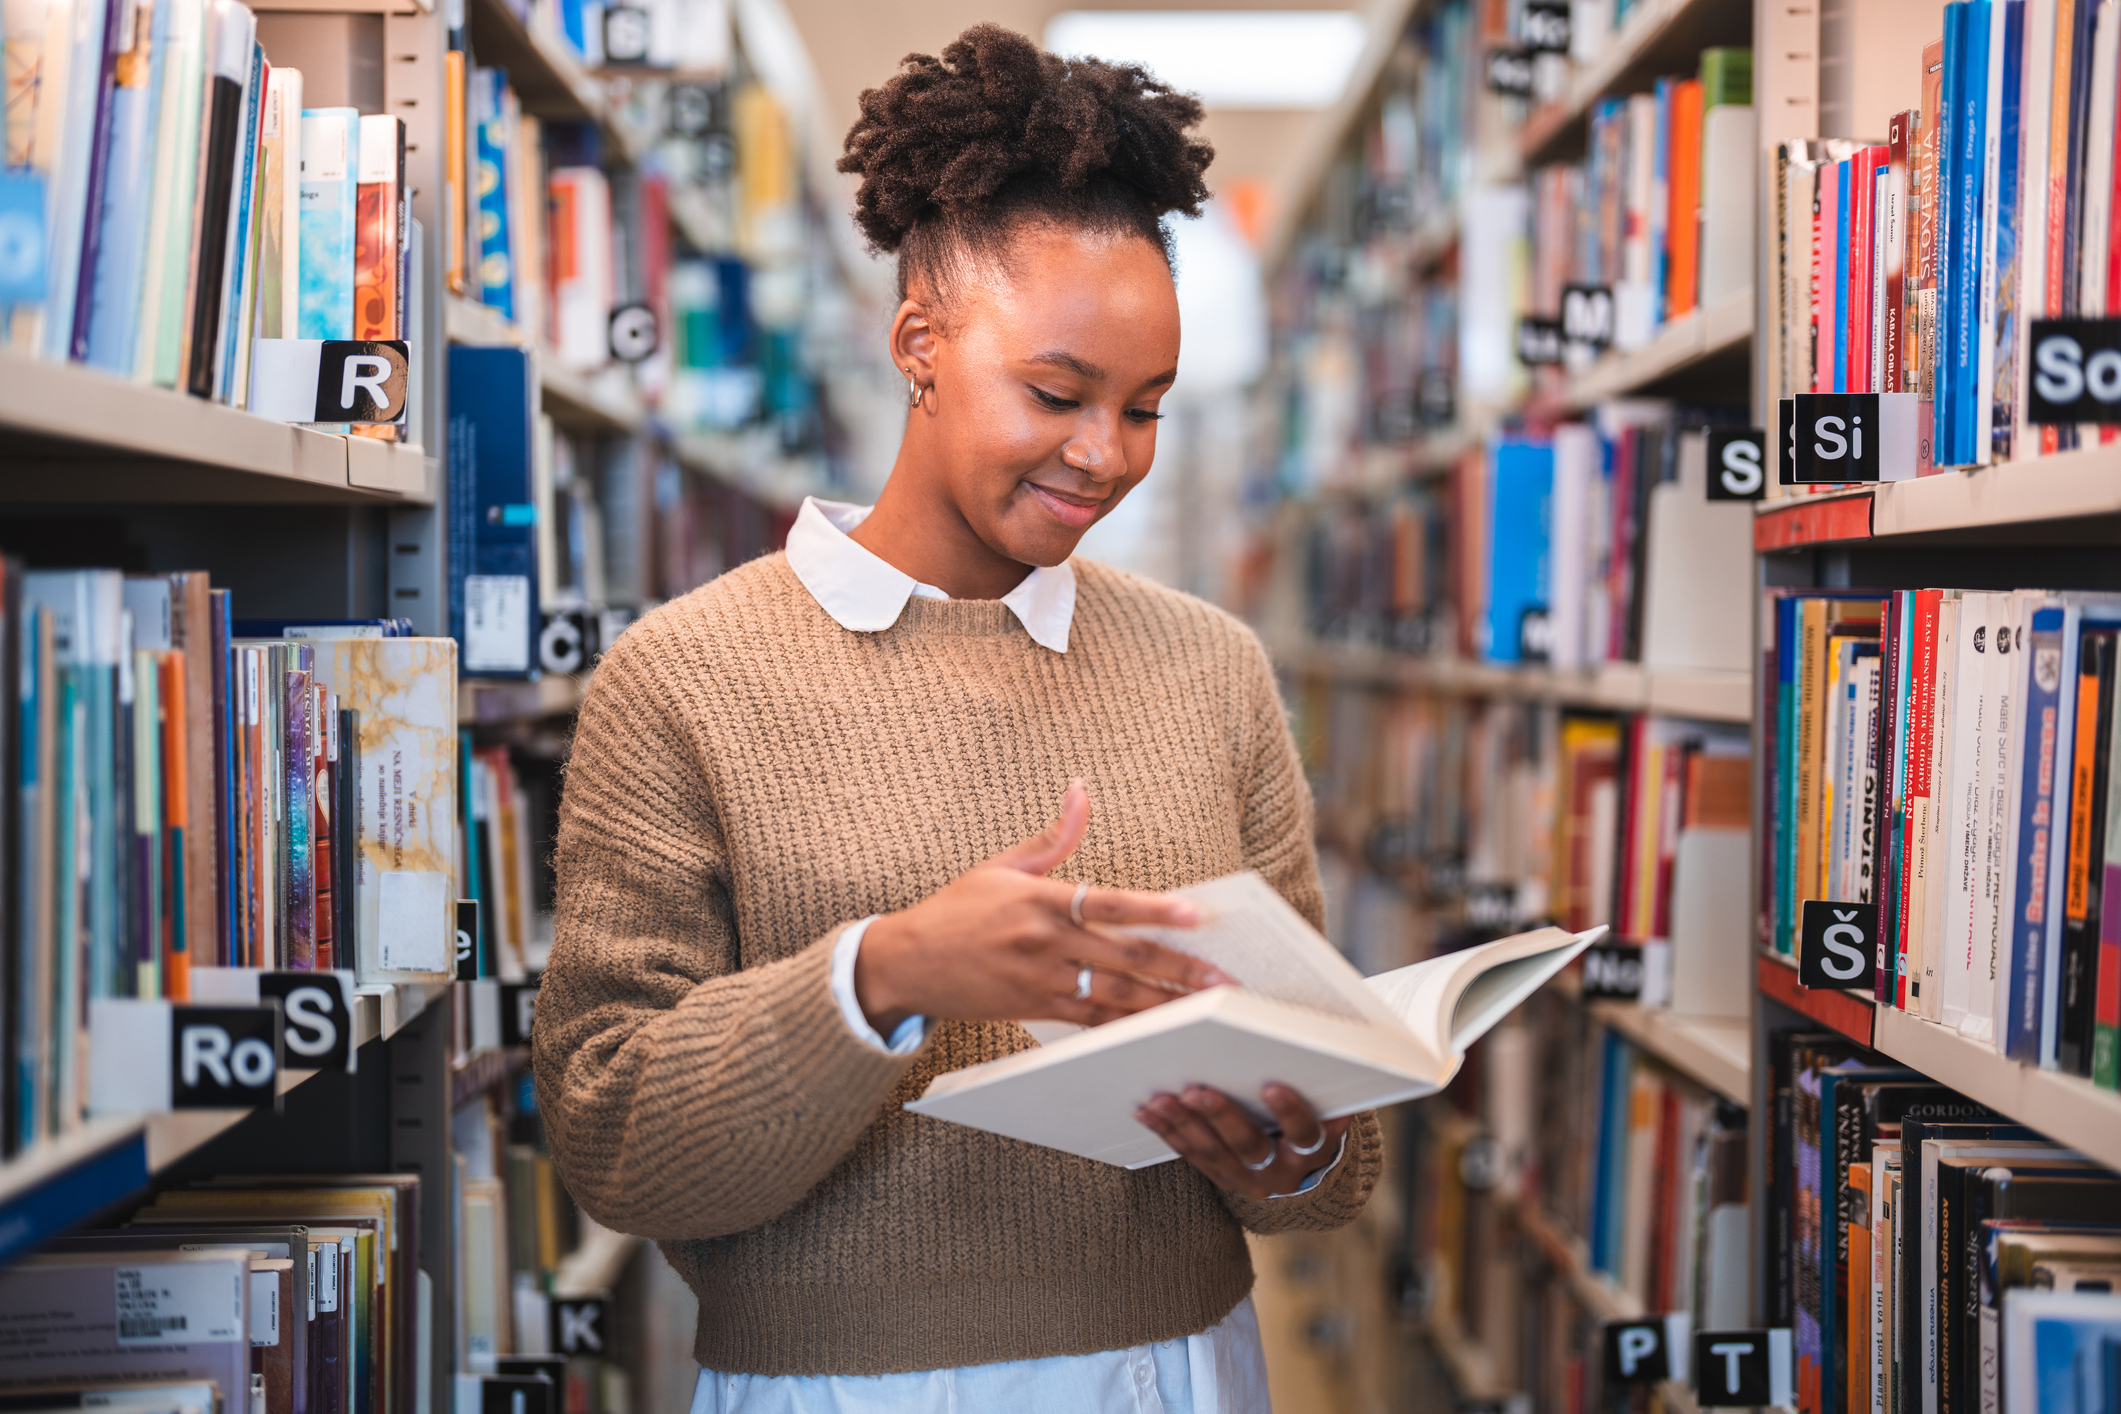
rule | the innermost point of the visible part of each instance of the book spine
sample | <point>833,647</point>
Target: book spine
<point>230,63</point>
<point>2006,324</point>
<point>376,230</point>
<point>330,139</point>
<point>2036,802</point>
<point>235,324</point>
<point>1861,253</point>
<point>2058,847</point>
<point>122,254</point>
<point>2081,897</point>
<point>1924,327</point>
<point>1892,349</point>
<point>1921,767</point>
<point>1844,261</point>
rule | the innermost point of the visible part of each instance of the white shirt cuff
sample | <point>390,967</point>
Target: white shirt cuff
<point>910,1033</point>
<point>1317,1176</point>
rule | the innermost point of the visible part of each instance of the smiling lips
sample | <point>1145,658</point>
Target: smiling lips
<point>1075,511</point>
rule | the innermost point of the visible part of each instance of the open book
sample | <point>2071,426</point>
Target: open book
<point>1301,1016</point>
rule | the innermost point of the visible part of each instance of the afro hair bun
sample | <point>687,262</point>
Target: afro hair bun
<point>997,129</point>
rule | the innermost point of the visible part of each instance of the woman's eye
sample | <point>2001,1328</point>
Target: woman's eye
<point>1144,415</point>
<point>1052,403</point>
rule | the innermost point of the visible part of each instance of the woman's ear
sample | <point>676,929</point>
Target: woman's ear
<point>913,344</point>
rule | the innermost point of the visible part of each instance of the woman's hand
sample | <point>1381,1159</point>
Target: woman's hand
<point>1212,1133</point>
<point>1003,943</point>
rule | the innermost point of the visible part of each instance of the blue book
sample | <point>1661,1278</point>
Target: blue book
<point>1969,172</point>
<point>1609,1178</point>
<point>493,555</point>
<point>496,235</point>
<point>1521,494</point>
<point>1950,236</point>
<point>222,603</point>
<point>1786,611</point>
<point>2043,819</point>
<point>121,250</point>
<point>329,194</point>
<point>75,193</point>
<point>235,323</point>
<point>1842,173</point>
<point>2010,185</point>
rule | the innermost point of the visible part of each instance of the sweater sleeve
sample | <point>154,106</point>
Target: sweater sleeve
<point>1279,842</point>
<point>685,1094</point>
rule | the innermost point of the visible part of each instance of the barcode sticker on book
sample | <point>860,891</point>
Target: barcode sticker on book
<point>178,1303</point>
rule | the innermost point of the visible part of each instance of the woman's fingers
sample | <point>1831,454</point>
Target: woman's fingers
<point>1125,907</point>
<point>1150,962</point>
<point>1300,1124</point>
<point>1231,1124</point>
<point>1188,1132</point>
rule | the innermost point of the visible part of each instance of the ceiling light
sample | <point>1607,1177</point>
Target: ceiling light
<point>1228,58</point>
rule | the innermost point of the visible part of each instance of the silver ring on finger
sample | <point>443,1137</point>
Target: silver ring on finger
<point>1300,1151</point>
<point>1082,984</point>
<point>1075,905</point>
<point>1263,1164</point>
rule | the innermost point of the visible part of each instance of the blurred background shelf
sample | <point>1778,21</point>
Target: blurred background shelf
<point>1716,1051</point>
<point>1701,694</point>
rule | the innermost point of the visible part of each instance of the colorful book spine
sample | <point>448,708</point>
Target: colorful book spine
<point>75,189</point>
<point>169,231</point>
<point>1892,301</point>
<point>280,208</point>
<point>497,266</point>
<point>376,235</point>
<point>122,255</point>
<point>329,201</point>
<point>1844,223</point>
<point>2083,882</point>
<point>2036,831</point>
<point>1683,283</point>
<point>242,289</point>
<point>2106,1015</point>
<point>231,42</point>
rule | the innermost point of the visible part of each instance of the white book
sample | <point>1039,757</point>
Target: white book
<point>1577,457</point>
<point>2057,1340</point>
<point>169,213</point>
<point>2000,737</point>
<point>1300,1016</point>
<point>1729,178</point>
<point>1963,824</point>
<point>2035,105</point>
<point>1800,183</point>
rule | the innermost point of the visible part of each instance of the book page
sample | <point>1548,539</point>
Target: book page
<point>1450,1002</point>
<point>1252,933</point>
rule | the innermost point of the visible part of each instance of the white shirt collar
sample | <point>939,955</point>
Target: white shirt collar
<point>866,593</point>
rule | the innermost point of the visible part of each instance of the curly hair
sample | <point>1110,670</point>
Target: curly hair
<point>957,153</point>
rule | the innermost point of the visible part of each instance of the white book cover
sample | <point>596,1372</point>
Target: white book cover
<point>2099,163</point>
<point>1576,460</point>
<point>2056,1344</point>
<point>1800,182</point>
<point>1964,815</point>
<point>582,287</point>
<point>1729,178</point>
<point>2000,800</point>
<point>76,66</point>
<point>1635,294</point>
<point>1300,1016</point>
<point>1698,571</point>
<point>280,269</point>
<point>149,1316</point>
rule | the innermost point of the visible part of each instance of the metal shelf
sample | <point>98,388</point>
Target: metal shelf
<point>56,1184</point>
<point>78,434</point>
<point>1621,687</point>
<point>1660,38</point>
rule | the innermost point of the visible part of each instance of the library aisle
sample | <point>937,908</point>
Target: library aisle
<point>1670,451</point>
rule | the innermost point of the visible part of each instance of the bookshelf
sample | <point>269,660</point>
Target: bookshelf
<point>1689,347</point>
<point>2071,498</point>
<point>1700,694</point>
<point>1656,38</point>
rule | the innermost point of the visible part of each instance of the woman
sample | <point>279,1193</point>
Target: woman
<point>801,869</point>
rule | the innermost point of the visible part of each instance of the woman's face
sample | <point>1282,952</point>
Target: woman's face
<point>1044,385</point>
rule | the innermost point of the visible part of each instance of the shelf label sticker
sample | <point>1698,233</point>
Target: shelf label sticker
<point>1742,1369</point>
<point>497,623</point>
<point>468,940</point>
<point>1837,945</point>
<point>581,1326</point>
<point>224,1057</point>
<point>1835,438</point>
<point>1587,316</point>
<point>178,1303</point>
<point>519,1008</point>
<point>330,380</point>
<point>1737,463</point>
<point>318,1012</point>
<point>568,640</point>
<point>1647,1351</point>
<point>633,333</point>
<point>1538,341</point>
<point>2076,372</point>
<point>1613,970</point>
<point>1510,73</point>
<point>1544,26</point>
<point>513,1394</point>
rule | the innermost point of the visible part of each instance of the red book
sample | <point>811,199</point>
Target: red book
<point>1856,319</point>
<point>323,751</point>
<point>1675,763</point>
<point>1626,924</point>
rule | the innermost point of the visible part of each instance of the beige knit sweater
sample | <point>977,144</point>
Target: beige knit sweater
<point>748,778</point>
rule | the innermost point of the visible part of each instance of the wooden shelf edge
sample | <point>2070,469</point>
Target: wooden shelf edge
<point>1705,694</point>
<point>1700,334</point>
<point>1850,1013</point>
<point>1645,25</point>
<point>2067,1108</point>
<point>1466,1360</point>
<point>487,702</point>
<point>1689,1045</point>
<point>2033,491</point>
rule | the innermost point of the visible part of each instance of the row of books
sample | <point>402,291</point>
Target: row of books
<point>1660,212</point>
<point>1561,1124</point>
<point>1914,263</point>
<point>273,1295</point>
<point>1499,815</point>
<point>515,1224</point>
<point>1945,754</point>
<point>195,790</point>
<point>189,203</point>
<point>1928,1254</point>
<point>508,835</point>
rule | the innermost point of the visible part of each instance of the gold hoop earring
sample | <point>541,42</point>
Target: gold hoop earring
<point>913,389</point>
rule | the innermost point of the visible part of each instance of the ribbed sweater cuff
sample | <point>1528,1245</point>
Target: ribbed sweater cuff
<point>838,1076</point>
<point>1338,1197</point>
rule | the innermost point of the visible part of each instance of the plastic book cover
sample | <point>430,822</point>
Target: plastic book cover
<point>122,254</point>
<point>74,187</point>
<point>162,295</point>
<point>232,381</point>
<point>376,234</point>
<point>231,47</point>
<point>496,270</point>
<point>493,573</point>
<point>1522,489</point>
<point>329,201</point>
<point>132,1316</point>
